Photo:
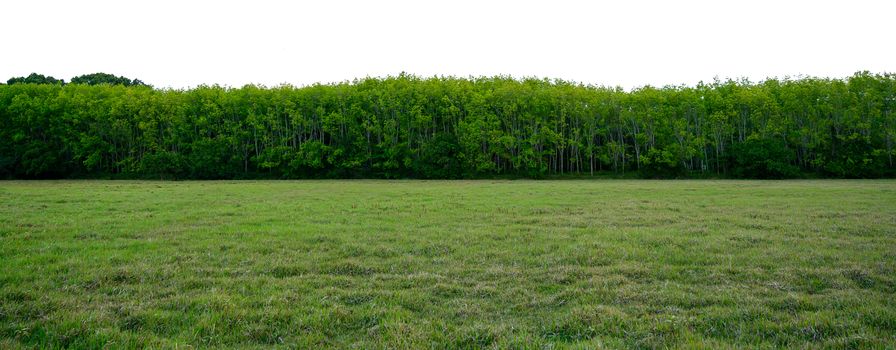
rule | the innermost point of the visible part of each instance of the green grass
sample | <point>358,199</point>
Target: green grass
<point>448,264</point>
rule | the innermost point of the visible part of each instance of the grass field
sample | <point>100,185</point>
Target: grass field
<point>448,264</point>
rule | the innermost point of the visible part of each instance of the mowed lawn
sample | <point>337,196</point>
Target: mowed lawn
<point>448,264</point>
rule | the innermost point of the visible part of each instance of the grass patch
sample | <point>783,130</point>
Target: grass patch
<point>448,264</point>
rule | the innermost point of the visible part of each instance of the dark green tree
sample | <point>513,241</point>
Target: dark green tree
<point>35,78</point>
<point>105,78</point>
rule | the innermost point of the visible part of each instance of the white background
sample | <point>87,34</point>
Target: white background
<point>626,43</point>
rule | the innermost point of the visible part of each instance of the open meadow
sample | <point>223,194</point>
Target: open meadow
<point>448,264</point>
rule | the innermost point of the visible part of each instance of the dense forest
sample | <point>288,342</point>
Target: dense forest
<point>446,127</point>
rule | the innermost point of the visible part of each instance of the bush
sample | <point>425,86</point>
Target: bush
<point>855,157</point>
<point>661,163</point>
<point>762,159</point>
<point>163,164</point>
<point>439,158</point>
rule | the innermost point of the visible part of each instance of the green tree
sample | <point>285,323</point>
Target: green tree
<point>105,78</point>
<point>34,78</point>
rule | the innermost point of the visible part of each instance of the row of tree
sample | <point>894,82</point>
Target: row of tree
<point>440,127</point>
<point>89,79</point>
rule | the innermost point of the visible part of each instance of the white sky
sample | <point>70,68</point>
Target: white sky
<point>627,43</point>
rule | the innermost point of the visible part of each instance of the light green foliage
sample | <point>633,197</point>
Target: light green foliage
<point>448,264</point>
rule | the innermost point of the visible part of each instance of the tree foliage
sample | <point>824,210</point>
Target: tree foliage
<point>447,127</point>
<point>762,159</point>
<point>35,78</point>
<point>105,78</point>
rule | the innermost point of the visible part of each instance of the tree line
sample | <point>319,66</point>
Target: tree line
<point>89,79</point>
<point>447,127</point>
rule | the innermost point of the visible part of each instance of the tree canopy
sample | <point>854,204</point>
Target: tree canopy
<point>35,78</point>
<point>105,78</point>
<point>447,127</point>
<point>88,79</point>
